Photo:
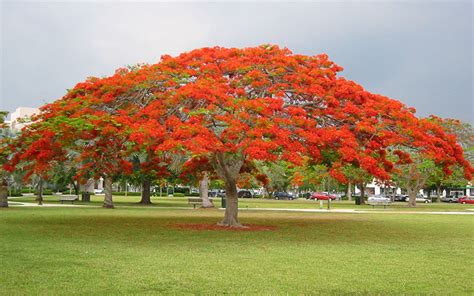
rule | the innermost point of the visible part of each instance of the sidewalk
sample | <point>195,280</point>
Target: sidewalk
<point>353,211</point>
<point>30,204</point>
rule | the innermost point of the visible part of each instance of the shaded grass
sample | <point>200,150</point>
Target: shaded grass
<point>97,200</point>
<point>134,251</point>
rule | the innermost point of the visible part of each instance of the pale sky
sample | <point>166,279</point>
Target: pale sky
<point>419,52</point>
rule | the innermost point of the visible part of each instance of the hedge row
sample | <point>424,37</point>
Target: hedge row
<point>128,193</point>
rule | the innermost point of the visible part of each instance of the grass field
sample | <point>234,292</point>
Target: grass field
<point>137,251</point>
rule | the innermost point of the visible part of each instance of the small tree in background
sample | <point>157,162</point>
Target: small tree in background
<point>4,134</point>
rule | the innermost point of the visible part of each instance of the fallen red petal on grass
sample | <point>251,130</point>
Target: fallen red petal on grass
<point>204,227</point>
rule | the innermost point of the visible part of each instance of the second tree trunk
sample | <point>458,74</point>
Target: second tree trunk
<point>4,193</point>
<point>108,203</point>
<point>204,191</point>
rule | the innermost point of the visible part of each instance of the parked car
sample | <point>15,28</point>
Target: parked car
<point>305,195</point>
<point>244,194</point>
<point>466,200</point>
<point>422,198</point>
<point>216,193</point>
<point>99,191</point>
<point>450,198</point>
<point>401,197</point>
<point>340,195</point>
<point>283,195</point>
<point>322,196</point>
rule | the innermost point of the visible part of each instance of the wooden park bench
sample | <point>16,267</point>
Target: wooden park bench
<point>70,198</point>
<point>379,203</point>
<point>194,201</point>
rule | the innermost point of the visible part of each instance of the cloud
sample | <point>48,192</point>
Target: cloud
<point>420,53</point>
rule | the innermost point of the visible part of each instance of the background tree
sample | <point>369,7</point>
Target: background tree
<point>414,176</point>
<point>357,176</point>
<point>37,153</point>
<point>197,170</point>
<point>4,135</point>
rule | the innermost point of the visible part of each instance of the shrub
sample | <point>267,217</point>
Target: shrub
<point>15,193</point>
<point>182,190</point>
<point>178,194</point>
<point>128,193</point>
<point>194,194</point>
<point>45,192</point>
<point>27,190</point>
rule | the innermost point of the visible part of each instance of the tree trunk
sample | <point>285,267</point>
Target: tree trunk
<point>228,168</point>
<point>349,191</point>
<point>146,195</point>
<point>362,193</point>
<point>86,196</point>
<point>40,192</point>
<point>232,205</point>
<point>4,193</point>
<point>412,198</point>
<point>204,191</point>
<point>76,188</point>
<point>438,193</point>
<point>108,203</point>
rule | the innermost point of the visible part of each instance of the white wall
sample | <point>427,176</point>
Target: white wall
<point>21,113</point>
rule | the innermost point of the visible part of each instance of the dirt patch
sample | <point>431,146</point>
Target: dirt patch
<point>205,227</point>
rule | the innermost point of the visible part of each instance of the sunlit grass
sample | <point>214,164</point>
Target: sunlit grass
<point>134,250</point>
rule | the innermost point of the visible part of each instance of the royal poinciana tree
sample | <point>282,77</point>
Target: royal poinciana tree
<point>235,106</point>
<point>265,103</point>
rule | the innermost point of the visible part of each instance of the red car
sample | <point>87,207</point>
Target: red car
<point>466,200</point>
<point>322,196</point>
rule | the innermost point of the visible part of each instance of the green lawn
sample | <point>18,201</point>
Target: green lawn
<point>135,251</point>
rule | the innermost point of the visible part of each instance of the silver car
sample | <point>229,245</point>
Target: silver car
<point>450,198</point>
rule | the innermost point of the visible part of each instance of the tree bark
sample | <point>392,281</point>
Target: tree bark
<point>204,191</point>
<point>228,168</point>
<point>86,196</point>
<point>438,193</point>
<point>76,187</point>
<point>411,198</point>
<point>349,191</point>
<point>146,194</point>
<point>232,205</point>
<point>362,193</point>
<point>85,193</point>
<point>4,193</point>
<point>108,202</point>
<point>40,192</point>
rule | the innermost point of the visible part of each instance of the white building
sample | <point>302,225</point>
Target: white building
<point>20,117</point>
<point>374,189</point>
